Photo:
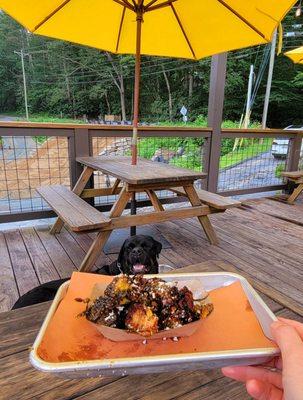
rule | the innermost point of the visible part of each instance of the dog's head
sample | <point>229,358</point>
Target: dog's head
<point>139,254</point>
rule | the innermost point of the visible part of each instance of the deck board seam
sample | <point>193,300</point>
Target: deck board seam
<point>11,263</point>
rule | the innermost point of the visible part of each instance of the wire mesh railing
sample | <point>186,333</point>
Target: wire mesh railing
<point>252,163</point>
<point>33,155</point>
<point>185,152</point>
<point>27,162</point>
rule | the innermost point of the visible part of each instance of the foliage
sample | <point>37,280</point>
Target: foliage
<point>279,168</point>
<point>71,80</point>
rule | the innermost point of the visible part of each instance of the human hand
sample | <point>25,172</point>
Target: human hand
<point>282,377</point>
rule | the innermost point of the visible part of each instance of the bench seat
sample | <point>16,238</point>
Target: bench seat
<point>74,211</point>
<point>212,199</point>
<point>293,175</point>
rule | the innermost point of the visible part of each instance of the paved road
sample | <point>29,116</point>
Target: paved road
<point>7,118</point>
<point>16,147</point>
<point>257,172</point>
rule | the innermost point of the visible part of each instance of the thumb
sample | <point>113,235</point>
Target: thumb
<point>291,346</point>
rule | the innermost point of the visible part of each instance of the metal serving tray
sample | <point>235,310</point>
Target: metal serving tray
<point>165,363</point>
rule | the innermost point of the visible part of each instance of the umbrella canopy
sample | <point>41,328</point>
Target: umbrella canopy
<point>174,28</point>
<point>296,55</point>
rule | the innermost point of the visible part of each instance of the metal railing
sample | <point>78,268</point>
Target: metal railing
<point>34,154</point>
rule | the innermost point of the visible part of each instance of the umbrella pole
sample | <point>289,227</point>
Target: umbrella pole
<point>137,89</point>
<point>134,148</point>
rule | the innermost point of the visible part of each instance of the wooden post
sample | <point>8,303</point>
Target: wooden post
<point>293,159</point>
<point>214,120</point>
<point>294,151</point>
<point>83,149</point>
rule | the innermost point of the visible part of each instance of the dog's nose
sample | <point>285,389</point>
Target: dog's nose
<point>137,251</point>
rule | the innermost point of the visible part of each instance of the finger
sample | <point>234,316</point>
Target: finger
<point>263,391</point>
<point>291,347</point>
<point>295,324</point>
<point>243,374</point>
<point>275,362</point>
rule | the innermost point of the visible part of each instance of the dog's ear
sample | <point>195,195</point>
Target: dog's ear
<point>121,254</point>
<point>157,247</point>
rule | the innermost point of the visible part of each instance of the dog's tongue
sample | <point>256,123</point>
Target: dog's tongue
<point>139,268</point>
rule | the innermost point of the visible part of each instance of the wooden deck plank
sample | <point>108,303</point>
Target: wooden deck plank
<point>23,269</point>
<point>41,261</point>
<point>60,259</point>
<point>37,385</point>
<point>19,329</point>
<point>71,247</point>
<point>160,386</point>
<point>220,389</point>
<point>85,240</point>
<point>8,286</point>
<point>284,211</point>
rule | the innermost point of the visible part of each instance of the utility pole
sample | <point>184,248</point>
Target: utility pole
<point>269,79</point>
<point>248,100</point>
<point>21,54</point>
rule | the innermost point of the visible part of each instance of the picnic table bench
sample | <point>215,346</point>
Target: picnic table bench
<point>297,178</point>
<point>147,177</point>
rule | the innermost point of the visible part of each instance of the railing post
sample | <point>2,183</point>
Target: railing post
<point>293,156</point>
<point>214,120</point>
<point>293,159</point>
<point>82,148</point>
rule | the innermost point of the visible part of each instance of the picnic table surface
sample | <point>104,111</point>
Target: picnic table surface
<point>145,172</point>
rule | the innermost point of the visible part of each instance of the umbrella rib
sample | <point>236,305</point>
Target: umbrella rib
<point>150,4</point>
<point>125,3</point>
<point>183,30</point>
<point>51,14</point>
<point>120,29</point>
<point>161,5</point>
<point>242,18</point>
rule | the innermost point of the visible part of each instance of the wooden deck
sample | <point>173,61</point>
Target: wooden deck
<point>262,240</point>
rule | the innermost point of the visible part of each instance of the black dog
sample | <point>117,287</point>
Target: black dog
<point>138,255</point>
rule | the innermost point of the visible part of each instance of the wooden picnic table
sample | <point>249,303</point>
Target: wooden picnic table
<point>19,380</point>
<point>146,176</point>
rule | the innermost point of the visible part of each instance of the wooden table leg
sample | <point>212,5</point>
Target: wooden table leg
<point>78,189</point>
<point>102,237</point>
<point>115,186</point>
<point>204,220</point>
<point>154,200</point>
<point>295,194</point>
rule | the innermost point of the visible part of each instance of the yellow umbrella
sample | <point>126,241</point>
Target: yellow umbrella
<point>296,55</point>
<point>174,28</point>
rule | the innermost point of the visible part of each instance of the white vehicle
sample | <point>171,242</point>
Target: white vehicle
<point>279,147</point>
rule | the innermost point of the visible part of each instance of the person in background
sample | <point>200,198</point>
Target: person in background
<point>282,377</point>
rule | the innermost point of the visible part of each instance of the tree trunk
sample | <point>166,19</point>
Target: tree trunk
<point>107,104</point>
<point>170,100</point>
<point>190,85</point>
<point>122,99</point>
<point>119,82</point>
